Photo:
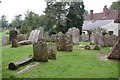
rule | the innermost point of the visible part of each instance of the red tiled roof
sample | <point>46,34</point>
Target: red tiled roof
<point>100,16</point>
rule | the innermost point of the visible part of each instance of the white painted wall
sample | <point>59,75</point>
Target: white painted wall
<point>112,27</point>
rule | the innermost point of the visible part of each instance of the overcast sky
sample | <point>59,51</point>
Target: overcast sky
<point>10,8</point>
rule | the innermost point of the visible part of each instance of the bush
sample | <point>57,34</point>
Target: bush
<point>96,47</point>
<point>87,47</point>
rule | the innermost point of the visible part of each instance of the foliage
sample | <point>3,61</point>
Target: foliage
<point>4,22</point>
<point>115,5</point>
<point>75,16</point>
<point>16,23</point>
<point>55,12</point>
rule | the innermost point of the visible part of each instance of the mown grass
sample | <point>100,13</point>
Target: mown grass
<point>77,64</point>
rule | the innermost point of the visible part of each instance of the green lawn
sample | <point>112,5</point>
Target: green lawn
<point>77,64</point>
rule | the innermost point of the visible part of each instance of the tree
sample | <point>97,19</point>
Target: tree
<point>4,22</point>
<point>75,16</point>
<point>16,23</point>
<point>115,5</point>
<point>54,12</point>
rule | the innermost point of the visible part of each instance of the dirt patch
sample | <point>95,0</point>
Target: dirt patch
<point>103,57</point>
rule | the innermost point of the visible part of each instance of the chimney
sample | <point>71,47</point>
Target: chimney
<point>105,11</point>
<point>91,14</point>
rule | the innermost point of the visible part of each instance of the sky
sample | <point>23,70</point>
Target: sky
<point>10,8</point>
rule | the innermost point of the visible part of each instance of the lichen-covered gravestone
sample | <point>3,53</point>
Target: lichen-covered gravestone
<point>52,50</point>
<point>40,51</point>
<point>64,42</point>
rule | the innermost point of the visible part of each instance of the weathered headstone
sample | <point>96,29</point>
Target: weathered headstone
<point>34,36</point>
<point>5,40</point>
<point>64,42</point>
<point>40,51</point>
<point>75,32</point>
<point>52,50</point>
<point>13,35</point>
<point>93,38</point>
<point>84,37</point>
<point>100,38</point>
<point>110,40</point>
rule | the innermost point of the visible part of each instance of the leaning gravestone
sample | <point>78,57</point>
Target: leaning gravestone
<point>5,40</point>
<point>52,50</point>
<point>40,51</point>
<point>13,35</point>
<point>115,52</point>
<point>64,42</point>
<point>34,36</point>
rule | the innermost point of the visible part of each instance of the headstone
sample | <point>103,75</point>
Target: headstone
<point>110,40</point>
<point>52,50</point>
<point>13,35</point>
<point>54,38</point>
<point>34,36</point>
<point>99,38</point>
<point>5,40</point>
<point>40,51</point>
<point>75,32</point>
<point>84,37</point>
<point>64,42</point>
<point>93,38</point>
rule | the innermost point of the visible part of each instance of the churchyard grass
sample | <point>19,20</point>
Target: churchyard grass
<point>77,64</point>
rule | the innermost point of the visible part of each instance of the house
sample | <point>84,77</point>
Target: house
<point>106,19</point>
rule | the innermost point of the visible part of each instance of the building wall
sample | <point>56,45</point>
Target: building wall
<point>112,27</point>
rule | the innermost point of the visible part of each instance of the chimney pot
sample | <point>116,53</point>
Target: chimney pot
<point>91,14</point>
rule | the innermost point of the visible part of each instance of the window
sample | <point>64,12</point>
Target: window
<point>110,32</point>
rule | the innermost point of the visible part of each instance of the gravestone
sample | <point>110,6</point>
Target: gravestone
<point>64,42</point>
<point>115,52</point>
<point>52,50</point>
<point>75,32</point>
<point>54,38</point>
<point>34,36</point>
<point>40,51</point>
<point>84,37</point>
<point>13,35</point>
<point>5,40</point>
<point>93,38</point>
<point>110,40</point>
<point>99,38</point>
